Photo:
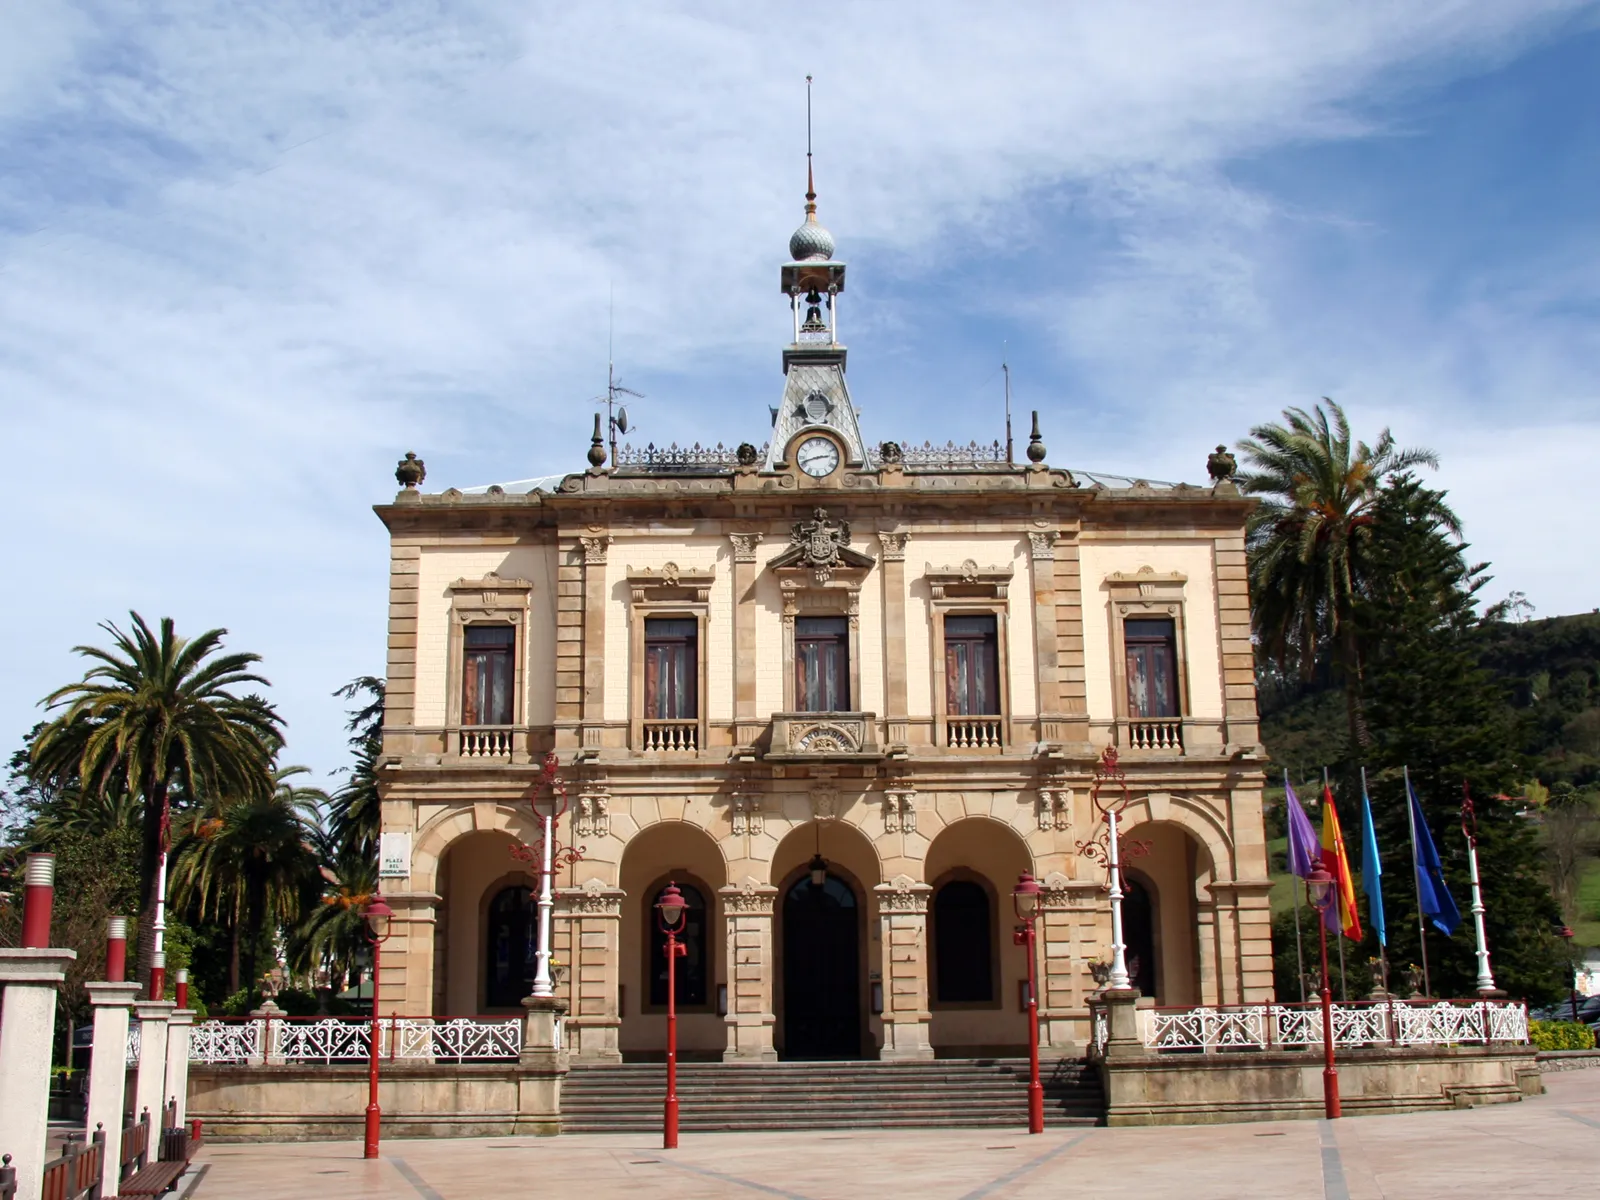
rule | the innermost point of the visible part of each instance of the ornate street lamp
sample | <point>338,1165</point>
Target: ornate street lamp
<point>1469,829</point>
<point>1025,899</point>
<point>1109,847</point>
<point>548,854</point>
<point>378,915</point>
<point>1319,884</point>
<point>670,914</point>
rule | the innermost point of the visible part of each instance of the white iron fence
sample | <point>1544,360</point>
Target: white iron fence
<point>349,1039</point>
<point>1297,1027</point>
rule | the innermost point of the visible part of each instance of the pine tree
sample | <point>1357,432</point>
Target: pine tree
<point>1434,710</point>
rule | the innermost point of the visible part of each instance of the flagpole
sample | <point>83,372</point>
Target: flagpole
<point>1344,988</point>
<point>1299,952</point>
<point>1416,880</point>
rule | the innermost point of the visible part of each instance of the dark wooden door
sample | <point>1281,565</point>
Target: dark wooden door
<point>821,971</point>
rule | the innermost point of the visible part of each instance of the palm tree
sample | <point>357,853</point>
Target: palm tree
<point>333,933</point>
<point>1309,536</point>
<point>254,856</point>
<point>155,716</point>
<point>355,813</point>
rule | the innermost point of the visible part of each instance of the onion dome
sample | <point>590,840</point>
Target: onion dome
<point>811,242</point>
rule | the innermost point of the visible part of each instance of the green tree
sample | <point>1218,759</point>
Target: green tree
<point>250,858</point>
<point>1435,710</point>
<point>355,812</point>
<point>158,715</point>
<point>1308,539</point>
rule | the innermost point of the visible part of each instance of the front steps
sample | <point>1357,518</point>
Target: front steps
<point>721,1097</point>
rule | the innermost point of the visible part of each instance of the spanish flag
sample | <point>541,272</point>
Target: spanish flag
<point>1334,857</point>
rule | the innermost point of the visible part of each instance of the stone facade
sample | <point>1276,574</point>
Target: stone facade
<point>902,789</point>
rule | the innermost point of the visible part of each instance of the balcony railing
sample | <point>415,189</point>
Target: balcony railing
<point>1163,734</point>
<point>487,741</point>
<point>671,737</point>
<point>973,733</point>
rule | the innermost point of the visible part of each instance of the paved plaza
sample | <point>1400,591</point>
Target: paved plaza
<point>1548,1146</point>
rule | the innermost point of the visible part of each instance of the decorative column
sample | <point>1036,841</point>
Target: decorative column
<point>150,1083</point>
<point>893,558</point>
<point>595,545</point>
<point>1067,934</point>
<point>747,915</point>
<point>408,954</point>
<point>108,1069</point>
<point>29,976</point>
<point>747,725</point>
<point>903,920</point>
<point>592,917</point>
<point>1042,553</point>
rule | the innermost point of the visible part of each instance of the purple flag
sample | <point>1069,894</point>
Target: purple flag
<point>1305,851</point>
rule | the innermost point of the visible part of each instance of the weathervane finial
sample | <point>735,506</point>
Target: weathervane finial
<point>811,187</point>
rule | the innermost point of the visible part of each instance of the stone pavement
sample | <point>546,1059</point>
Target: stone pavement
<point>1545,1147</point>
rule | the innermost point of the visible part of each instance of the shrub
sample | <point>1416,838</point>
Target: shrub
<point>1560,1035</point>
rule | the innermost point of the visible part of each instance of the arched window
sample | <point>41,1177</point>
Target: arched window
<point>963,948</point>
<point>694,968</point>
<point>513,929</point>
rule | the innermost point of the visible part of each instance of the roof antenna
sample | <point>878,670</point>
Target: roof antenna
<point>616,414</point>
<point>1006,370</point>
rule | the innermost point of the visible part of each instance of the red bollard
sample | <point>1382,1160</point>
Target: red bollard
<point>116,949</point>
<point>38,899</point>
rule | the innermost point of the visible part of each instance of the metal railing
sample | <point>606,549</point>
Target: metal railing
<point>676,458</point>
<point>240,1041</point>
<point>973,733</point>
<point>1209,1029</point>
<point>1164,734</point>
<point>672,737</point>
<point>951,457</point>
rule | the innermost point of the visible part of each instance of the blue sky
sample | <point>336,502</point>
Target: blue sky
<point>249,255</point>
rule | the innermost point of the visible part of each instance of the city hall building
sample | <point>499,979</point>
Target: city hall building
<point>842,690</point>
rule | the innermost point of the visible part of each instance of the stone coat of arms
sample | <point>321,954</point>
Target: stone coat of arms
<point>822,545</point>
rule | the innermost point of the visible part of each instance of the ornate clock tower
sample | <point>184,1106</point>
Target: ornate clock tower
<point>815,427</point>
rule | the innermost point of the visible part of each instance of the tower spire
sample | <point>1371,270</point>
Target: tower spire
<point>811,187</point>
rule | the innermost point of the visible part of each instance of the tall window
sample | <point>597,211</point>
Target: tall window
<point>691,981</point>
<point>821,664</point>
<point>487,674</point>
<point>971,666</point>
<point>512,928</point>
<point>671,664</point>
<point>1152,647</point>
<point>962,944</point>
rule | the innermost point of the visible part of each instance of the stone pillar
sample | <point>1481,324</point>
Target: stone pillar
<point>592,916</point>
<point>747,722</point>
<point>178,1059</point>
<point>150,1083</point>
<point>30,978</point>
<point>747,915</point>
<point>903,920</point>
<point>1066,930</point>
<point>893,559</point>
<point>1071,685</point>
<point>594,638</point>
<point>1122,1010</point>
<point>544,1065</point>
<point>1046,640</point>
<point>408,954</point>
<point>108,1069</point>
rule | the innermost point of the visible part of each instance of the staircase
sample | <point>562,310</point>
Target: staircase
<point>716,1097</point>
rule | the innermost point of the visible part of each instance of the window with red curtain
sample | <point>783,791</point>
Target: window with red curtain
<point>671,669</point>
<point>971,666</point>
<point>1152,654</point>
<point>821,664</point>
<point>488,674</point>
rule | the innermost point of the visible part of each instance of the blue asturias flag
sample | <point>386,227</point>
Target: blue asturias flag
<point>1305,851</point>
<point>1433,898</point>
<point>1371,866</point>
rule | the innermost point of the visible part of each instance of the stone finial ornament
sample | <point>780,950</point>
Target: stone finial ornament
<point>1036,450</point>
<point>891,452</point>
<point>747,455</point>
<point>597,446</point>
<point>410,471</point>
<point>1222,465</point>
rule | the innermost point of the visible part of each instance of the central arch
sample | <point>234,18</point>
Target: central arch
<point>825,957</point>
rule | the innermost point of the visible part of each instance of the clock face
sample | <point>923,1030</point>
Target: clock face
<point>817,456</point>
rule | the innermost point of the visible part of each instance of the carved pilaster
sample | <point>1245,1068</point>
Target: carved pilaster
<point>894,546</point>
<point>745,811</point>
<point>1042,544</point>
<point>899,810</point>
<point>1055,805</point>
<point>595,547</point>
<point>591,817</point>
<point>744,546</point>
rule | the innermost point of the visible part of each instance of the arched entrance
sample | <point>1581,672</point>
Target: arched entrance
<point>512,929</point>
<point>821,969</point>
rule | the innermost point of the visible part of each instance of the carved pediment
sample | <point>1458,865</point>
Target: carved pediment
<point>488,597</point>
<point>671,582</point>
<point>822,547</point>
<point>968,579</point>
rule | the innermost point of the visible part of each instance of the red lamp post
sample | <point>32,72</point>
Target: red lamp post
<point>1025,899</point>
<point>378,915</point>
<point>1320,886</point>
<point>671,917</point>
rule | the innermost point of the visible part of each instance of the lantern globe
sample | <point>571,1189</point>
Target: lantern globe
<point>378,915</point>
<point>1025,896</point>
<point>671,906</point>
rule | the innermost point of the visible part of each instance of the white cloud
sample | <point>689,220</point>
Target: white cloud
<point>250,254</point>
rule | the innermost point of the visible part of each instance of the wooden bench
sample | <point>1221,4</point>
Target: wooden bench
<point>76,1174</point>
<point>176,1148</point>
